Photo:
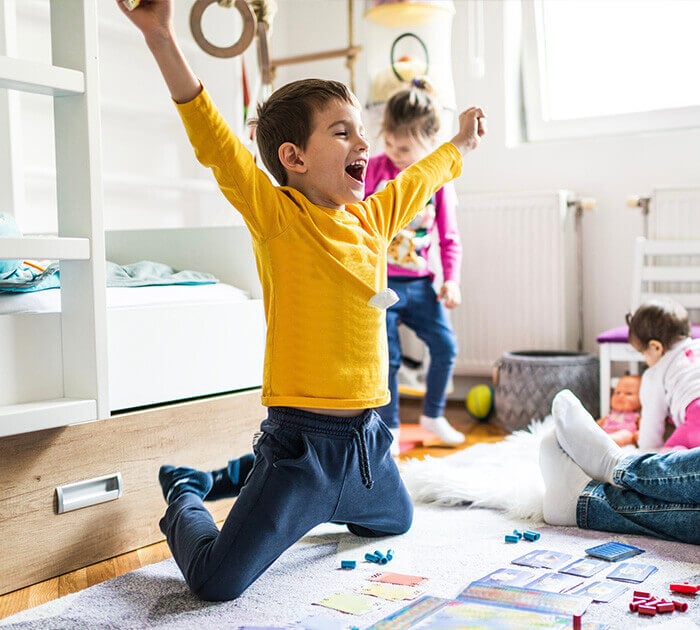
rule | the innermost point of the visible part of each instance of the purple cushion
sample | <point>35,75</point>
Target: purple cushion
<point>620,334</point>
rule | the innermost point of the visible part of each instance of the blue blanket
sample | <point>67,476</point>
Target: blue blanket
<point>139,274</point>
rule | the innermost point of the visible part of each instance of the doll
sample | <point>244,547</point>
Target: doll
<point>622,422</point>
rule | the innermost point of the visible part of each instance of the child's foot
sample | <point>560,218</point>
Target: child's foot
<point>441,427</point>
<point>581,437</point>
<point>229,481</point>
<point>177,481</point>
<point>395,451</point>
<point>563,481</point>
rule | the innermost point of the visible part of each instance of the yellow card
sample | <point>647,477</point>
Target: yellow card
<point>348,603</point>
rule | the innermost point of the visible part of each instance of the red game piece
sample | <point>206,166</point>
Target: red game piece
<point>680,606</point>
<point>665,607</point>
<point>647,610</point>
<point>684,587</point>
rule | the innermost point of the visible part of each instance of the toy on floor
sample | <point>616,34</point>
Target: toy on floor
<point>622,422</point>
<point>480,401</point>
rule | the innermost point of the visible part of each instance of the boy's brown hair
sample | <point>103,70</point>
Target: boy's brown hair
<point>662,319</point>
<point>287,116</point>
<point>413,112</point>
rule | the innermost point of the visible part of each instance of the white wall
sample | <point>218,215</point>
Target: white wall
<point>138,120</point>
<point>608,169</point>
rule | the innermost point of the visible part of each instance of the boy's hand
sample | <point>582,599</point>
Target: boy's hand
<point>472,127</point>
<point>151,16</point>
<point>154,19</point>
<point>450,294</point>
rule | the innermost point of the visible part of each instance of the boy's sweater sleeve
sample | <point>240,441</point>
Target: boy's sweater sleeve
<point>448,232</point>
<point>394,207</point>
<point>247,187</point>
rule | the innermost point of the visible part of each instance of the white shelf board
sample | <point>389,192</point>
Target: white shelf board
<point>39,78</point>
<point>45,414</point>
<point>38,248</point>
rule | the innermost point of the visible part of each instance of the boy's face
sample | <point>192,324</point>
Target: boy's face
<point>626,395</point>
<point>335,157</point>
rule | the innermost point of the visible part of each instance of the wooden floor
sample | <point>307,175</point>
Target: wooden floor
<point>74,581</point>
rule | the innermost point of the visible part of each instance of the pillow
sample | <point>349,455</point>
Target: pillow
<point>9,228</point>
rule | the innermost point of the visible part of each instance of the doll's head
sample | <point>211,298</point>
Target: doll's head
<point>626,394</point>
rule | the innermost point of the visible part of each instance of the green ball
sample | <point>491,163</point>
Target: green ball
<point>480,401</point>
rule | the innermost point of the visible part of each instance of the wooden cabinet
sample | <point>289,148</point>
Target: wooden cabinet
<point>39,543</point>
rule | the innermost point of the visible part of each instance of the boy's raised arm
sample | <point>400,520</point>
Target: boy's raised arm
<point>154,19</point>
<point>472,127</point>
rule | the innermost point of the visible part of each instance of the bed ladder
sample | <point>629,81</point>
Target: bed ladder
<point>71,79</point>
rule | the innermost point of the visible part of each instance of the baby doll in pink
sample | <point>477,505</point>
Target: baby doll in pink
<point>622,422</point>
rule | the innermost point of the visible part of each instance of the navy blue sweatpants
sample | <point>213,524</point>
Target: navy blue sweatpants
<point>309,469</point>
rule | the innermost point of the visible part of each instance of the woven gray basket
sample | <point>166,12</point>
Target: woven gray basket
<point>527,381</point>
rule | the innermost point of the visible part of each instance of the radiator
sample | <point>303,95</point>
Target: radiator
<point>674,214</point>
<point>520,284</point>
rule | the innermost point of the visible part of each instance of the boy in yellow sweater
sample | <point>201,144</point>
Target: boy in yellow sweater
<point>323,453</point>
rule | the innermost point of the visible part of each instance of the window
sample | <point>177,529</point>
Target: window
<point>593,67</point>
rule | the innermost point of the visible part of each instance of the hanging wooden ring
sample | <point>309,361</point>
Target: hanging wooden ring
<point>235,49</point>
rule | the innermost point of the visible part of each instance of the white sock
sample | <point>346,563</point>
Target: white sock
<point>563,481</point>
<point>442,428</point>
<point>581,437</point>
<point>395,450</point>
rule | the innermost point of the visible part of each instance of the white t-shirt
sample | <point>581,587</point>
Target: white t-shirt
<point>667,389</point>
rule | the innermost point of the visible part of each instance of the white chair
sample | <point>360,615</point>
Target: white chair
<point>661,268</point>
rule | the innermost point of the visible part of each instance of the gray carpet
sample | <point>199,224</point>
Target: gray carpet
<point>451,546</point>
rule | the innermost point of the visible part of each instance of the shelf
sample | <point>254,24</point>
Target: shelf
<point>45,414</point>
<point>39,78</point>
<point>122,181</point>
<point>39,248</point>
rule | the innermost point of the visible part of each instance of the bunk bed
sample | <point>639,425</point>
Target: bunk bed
<point>97,395</point>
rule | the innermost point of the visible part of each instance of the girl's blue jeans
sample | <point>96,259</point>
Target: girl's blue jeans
<point>419,309</point>
<point>653,494</point>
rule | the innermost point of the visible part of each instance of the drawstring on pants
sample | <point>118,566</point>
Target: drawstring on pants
<point>365,472</point>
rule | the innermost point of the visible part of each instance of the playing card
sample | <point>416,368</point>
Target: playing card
<point>601,591</point>
<point>632,572</point>
<point>543,558</point>
<point>506,577</point>
<point>555,582</point>
<point>585,567</point>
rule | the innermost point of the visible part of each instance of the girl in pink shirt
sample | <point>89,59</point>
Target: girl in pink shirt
<point>409,128</point>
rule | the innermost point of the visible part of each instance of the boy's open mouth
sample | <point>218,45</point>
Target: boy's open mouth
<point>356,170</point>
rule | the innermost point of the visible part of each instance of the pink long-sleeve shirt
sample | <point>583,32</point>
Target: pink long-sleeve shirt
<point>408,252</point>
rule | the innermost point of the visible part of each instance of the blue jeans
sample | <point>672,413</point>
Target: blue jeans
<point>658,495</point>
<point>309,469</point>
<point>419,309</point>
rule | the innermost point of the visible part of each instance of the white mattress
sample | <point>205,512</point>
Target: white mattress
<point>49,301</point>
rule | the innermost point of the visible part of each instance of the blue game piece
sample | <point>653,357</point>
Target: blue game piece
<point>512,538</point>
<point>390,554</point>
<point>530,535</point>
<point>348,564</point>
<point>370,557</point>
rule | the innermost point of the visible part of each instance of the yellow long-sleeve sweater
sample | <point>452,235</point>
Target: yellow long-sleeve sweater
<point>326,346</point>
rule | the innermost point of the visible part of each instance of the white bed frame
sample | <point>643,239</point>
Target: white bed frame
<point>61,371</point>
<point>85,363</point>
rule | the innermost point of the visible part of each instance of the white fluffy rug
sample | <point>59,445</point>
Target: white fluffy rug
<point>503,475</point>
